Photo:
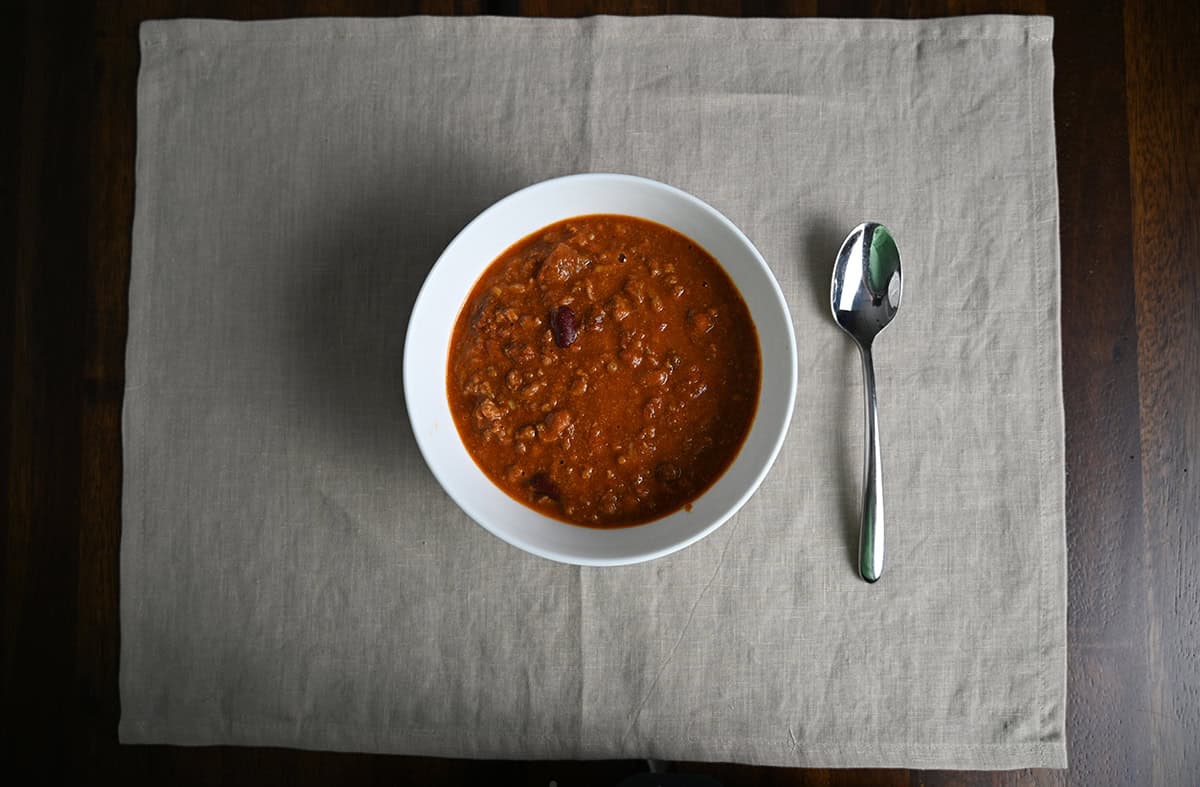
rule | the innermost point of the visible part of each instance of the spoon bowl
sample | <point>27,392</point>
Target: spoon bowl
<point>867,282</point>
<point>864,297</point>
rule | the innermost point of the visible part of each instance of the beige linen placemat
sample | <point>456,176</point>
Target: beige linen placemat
<point>291,573</point>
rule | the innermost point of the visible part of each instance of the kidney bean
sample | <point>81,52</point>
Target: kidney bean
<point>564,327</point>
<point>544,485</point>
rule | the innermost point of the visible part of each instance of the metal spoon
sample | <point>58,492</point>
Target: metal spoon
<point>864,299</point>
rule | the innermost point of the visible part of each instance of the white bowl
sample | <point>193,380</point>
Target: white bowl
<point>450,282</point>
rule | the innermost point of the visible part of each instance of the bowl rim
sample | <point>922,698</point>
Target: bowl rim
<point>728,511</point>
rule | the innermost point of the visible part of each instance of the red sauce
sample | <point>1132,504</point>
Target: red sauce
<point>604,371</point>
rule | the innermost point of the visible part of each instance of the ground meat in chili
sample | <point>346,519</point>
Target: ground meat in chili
<point>604,371</point>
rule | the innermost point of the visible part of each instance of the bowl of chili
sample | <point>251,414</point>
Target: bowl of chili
<point>600,369</point>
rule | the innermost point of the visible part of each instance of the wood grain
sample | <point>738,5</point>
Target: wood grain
<point>1106,570</point>
<point>1162,61</point>
<point>1127,122</point>
<point>45,435</point>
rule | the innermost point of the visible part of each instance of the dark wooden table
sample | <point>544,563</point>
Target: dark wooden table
<point>1127,107</point>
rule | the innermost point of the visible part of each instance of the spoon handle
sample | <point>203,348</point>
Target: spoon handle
<point>870,534</point>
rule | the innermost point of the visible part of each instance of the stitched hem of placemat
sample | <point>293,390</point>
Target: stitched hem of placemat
<point>498,745</point>
<point>1045,293</point>
<point>1039,291</point>
<point>980,27</point>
